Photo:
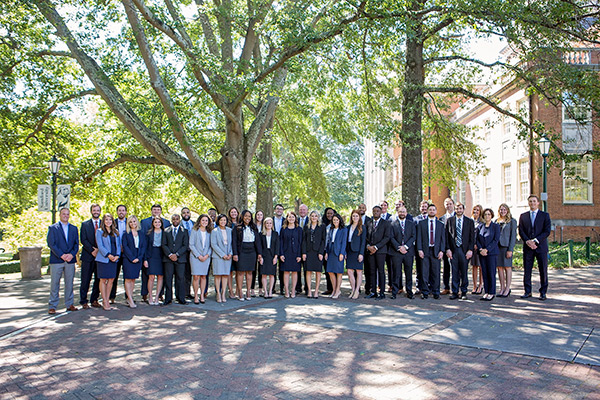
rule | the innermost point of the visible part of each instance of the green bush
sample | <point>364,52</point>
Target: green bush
<point>559,255</point>
<point>12,267</point>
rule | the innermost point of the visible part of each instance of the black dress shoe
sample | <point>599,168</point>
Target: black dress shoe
<point>393,297</point>
<point>189,296</point>
<point>526,295</point>
<point>424,296</point>
<point>542,297</point>
<point>371,296</point>
<point>166,303</point>
<point>182,302</point>
<point>327,292</point>
<point>381,296</point>
<point>453,296</point>
<point>436,296</point>
<point>409,295</point>
<point>463,296</point>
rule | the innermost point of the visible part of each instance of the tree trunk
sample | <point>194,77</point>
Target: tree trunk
<point>412,109</point>
<point>264,180</point>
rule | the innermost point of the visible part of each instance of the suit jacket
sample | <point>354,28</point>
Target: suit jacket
<point>219,248</point>
<point>406,238</point>
<point>146,224</point>
<point>488,241</point>
<point>468,234</point>
<point>379,236</point>
<point>338,246</point>
<point>196,247</point>
<point>439,238</point>
<point>270,253</point>
<point>358,243</point>
<point>318,239</point>
<point>540,231</point>
<point>239,233</point>
<point>444,218</point>
<point>129,250</point>
<point>59,245</point>
<point>367,219</point>
<point>88,240</point>
<point>387,216</point>
<point>178,245</point>
<point>508,234</point>
<point>104,248</point>
<point>187,228</point>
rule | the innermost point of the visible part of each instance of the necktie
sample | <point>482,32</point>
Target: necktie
<point>95,225</point>
<point>532,218</point>
<point>459,232</point>
<point>431,238</point>
<point>402,226</point>
<point>174,233</point>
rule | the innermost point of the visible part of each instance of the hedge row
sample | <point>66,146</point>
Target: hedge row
<point>12,267</point>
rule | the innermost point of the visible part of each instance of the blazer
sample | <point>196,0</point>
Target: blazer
<point>59,245</point>
<point>196,248</point>
<point>178,245</point>
<point>129,250</point>
<point>239,234</point>
<point>489,242</point>
<point>444,217</point>
<point>318,239</point>
<point>403,239</point>
<point>88,240</point>
<point>508,234</point>
<point>146,224</point>
<point>104,249</point>
<point>468,234</point>
<point>379,236</point>
<point>290,247</point>
<point>358,243</point>
<point>274,250</point>
<point>219,248</point>
<point>540,231</point>
<point>439,239</point>
<point>338,246</point>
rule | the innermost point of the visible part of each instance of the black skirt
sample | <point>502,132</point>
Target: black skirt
<point>313,264</point>
<point>247,257</point>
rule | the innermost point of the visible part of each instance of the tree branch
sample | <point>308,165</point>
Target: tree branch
<point>435,29</point>
<point>207,30</point>
<point>123,158</point>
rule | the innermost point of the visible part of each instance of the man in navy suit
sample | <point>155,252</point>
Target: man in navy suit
<point>431,243</point>
<point>64,244</point>
<point>175,244</point>
<point>88,258</point>
<point>146,225</point>
<point>188,223</point>
<point>404,233</point>
<point>534,228</point>
<point>418,260</point>
<point>460,244</point>
<point>121,225</point>
<point>449,206</point>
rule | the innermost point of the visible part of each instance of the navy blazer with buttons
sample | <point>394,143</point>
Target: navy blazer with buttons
<point>59,245</point>
<point>540,231</point>
<point>88,240</point>
<point>358,243</point>
<point>403,239</point>
<point>423,236</point>
<point>338,246</point>
<point>488,238</point>
<point>129,249</point>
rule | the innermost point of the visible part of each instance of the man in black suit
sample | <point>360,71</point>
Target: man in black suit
<point>175,244</point>
<point>431,242</point>
<point>388,259</point>
<point>378,236</point>
<point>121,225</point>
<point>146,225</point>
<point>188,223</point>
<point>88,258</point>
<point>404,233</point>
<point>449,206</point>
<point>418,260</point>
<point>534,228</point>
<point>460,242</point>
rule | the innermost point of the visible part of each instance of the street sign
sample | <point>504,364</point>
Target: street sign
<point>44,198</point>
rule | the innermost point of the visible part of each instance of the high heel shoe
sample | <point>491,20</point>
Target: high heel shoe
<point>508,294</point>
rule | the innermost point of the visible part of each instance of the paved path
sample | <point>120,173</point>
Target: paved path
<point>303,348</point>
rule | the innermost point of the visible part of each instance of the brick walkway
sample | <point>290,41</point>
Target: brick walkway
<point>189,352</point>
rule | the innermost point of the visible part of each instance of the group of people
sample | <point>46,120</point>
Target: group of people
<point>238,248</point>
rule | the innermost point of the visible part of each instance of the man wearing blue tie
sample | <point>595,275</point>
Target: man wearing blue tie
<point>534,228</point>
<point>188,223</point>
<point>63,240</point>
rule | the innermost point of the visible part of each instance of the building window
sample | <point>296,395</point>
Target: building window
<point>461,192</point>
<point>523,180</point>
<point>576,124</point>
<point>577,182</point>
<point>505,150</point>
<point>507,180</point>
<point>507,126</point>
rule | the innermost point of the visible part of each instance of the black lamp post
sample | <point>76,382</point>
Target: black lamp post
<point>544,144</point>
<point>54,165</point>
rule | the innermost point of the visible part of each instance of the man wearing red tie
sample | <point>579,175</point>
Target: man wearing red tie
<point>534,228</point>
<point>431,243</point>
<point>88,258</point>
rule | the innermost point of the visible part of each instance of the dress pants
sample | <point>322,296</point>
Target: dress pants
<point>419,267</point>
<point>447,268</point>
<point>88,268</point>
<point>377,272</point>
<point>488,272</point>
<point>188,279</point>
<point>431,273</point>
<point>460,268</point>
<point>113,291</point>
<point>367,273</point>
<point>542,261</point>
<point>56,272</point>
<point>177,269</point>
<point>389,262</point>
<point>402,263</point>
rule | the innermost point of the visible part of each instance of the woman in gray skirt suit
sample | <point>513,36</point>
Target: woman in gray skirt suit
<point>506,245</point>
<point>221,242</point>
<point>200,252</point>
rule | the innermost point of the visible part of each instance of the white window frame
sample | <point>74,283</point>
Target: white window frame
<point>590,180</point>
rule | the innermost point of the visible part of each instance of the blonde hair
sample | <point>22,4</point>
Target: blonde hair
<point>508,214</point>
<point>137,223</point>
<point>264,223</point>
<point>480,208</point>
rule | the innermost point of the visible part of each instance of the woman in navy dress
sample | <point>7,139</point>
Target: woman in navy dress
<point>488,236</point>
<point>154,258</point>
<point>134,253</point>
<point>335,253</point>
<point>313,250</point>
<point>270,248</point>
<point>232,221</point>
<point>109,250</point>
<point>290,252</point>
<point>477,215</point>
<point>326,222</point>
<point>259,219</point>
<point>249,251</point>
<point>355,249</point>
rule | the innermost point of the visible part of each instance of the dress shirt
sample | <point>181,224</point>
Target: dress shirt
<point>65,228</point>
<point>278,222</point>
<point>122,226</point>
<point>157,241</point>
<point>248,235</point>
